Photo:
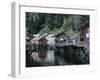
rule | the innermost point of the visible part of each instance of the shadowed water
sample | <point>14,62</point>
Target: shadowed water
<point>48,56</point>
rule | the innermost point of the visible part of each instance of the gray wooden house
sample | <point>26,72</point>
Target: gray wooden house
<point>66,38</point>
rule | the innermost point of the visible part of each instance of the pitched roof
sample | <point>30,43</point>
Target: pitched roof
<point>70,33</point>
<point>39,37</point>
<point>84,26</point>
<point>56,34</point>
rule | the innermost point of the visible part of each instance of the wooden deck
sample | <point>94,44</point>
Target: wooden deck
<point>81,44</point>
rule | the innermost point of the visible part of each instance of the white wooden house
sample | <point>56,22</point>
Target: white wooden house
<point>51,40</point>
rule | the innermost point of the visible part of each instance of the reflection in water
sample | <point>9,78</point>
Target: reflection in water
<point>44,56</point>
<point>57,56</point>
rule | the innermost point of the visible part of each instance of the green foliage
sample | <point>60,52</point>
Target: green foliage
<point>84,19</point>
<point>46,29</point>
<point>67,23</point>
<point>50,23</point>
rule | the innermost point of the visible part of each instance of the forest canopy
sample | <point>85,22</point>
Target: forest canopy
<point>40,23</point>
